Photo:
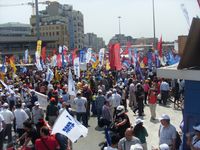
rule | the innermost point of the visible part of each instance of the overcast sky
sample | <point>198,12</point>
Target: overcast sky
<point>101,16</point>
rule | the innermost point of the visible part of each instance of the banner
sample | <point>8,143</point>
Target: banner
<point>71,84</point>
<point>77,67</point>
<point>101,56</point>
<point>149,56</point>
<point>37,59</point>
<point>68,126</point>
<point>39,47</point>
<point>12,64</point>
<point>59,61</point>
<point>43,54</point>
<point>114,57</point>
<point>82,56</point>
<point>49,75</point>
<point>26,56</point>
<point>88,55</point>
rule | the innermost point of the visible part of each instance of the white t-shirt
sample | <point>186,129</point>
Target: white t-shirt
<point>80,103</point>
<point>8,116</point>
<point>1,124</point>
<point>116,99</point>
<point>21,117</point>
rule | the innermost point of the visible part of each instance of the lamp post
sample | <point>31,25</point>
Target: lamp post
<point>154,28</point>
<point>37,20</point>
<point>119,28</point>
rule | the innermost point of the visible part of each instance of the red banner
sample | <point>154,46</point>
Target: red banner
<point>43,54</point>
<point>159,47</point>
<point>114,57</point>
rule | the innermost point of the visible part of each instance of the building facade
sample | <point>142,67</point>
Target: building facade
<point>92,41</point>
<point>65,21</point>
<point>122,39</point>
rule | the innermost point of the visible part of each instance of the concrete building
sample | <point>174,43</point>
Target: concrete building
<point>15,29</point>
<point>92,41</point>
<point>122,39</point>
<point>69,20</point>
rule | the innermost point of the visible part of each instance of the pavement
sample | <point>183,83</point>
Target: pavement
<point>96,135</point>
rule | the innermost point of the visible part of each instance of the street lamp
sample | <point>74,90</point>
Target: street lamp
<point>154,28</point>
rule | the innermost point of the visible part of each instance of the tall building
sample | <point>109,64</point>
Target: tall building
<point>15,29</point>
<point>92,41</point>
<point>70,24</point>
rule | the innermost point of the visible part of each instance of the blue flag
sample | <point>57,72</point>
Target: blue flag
<point>149,57</point>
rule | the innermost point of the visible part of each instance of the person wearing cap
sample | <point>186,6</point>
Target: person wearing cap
<point>116,100</point>
<point>152,100</point>
<point>140,132</point>
<point>100,99</point>
<point>114,143</point>
<point>8,119</point>
<point>194,141</point>
<point>136,147</point>
<point>167,132</point>
<point>37,113</point>
<point>81,108</point>
<point>128,140</point>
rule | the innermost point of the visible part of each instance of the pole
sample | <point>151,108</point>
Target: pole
<point>37,20</point>
<point>119,28</point>
<point>154,28</point>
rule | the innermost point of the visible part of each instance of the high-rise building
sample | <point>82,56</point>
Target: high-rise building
<point>92,41</point>
<point>70,24</point>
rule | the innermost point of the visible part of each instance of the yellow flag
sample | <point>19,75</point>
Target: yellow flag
<point>57,76</point>
<point>95,64</point>
<point>29,59</point>
<point>142,65</point>
<point>107,65</point>
<point>39,47</point>
<point>12,64</point>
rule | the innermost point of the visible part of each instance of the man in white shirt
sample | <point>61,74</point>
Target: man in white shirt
<point>2,124</point>
<point>164,88</point>
<point>116,98</point>
<point>37,113</point>
<point>81,104</point>
<point>20,118</point>
<point>8,119</point>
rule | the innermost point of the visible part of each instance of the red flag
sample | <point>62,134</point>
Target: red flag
<point>74,55</point>
<point>43,55</point>
<point>125,52</point>
<point>159,47</point>
<point>114,53</point>
<point>198,2</point>
<point>59,61</point>
<point>145,60</point>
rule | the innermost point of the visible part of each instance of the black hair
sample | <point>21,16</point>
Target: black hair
<point>27,124</point>
<point>45,130</point>
<point>115,139</point>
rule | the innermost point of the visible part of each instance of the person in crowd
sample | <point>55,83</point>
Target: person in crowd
<point>136,147</point>
<point>33,98</point>
<point>106,113</point>
<point>121,121</point>
<point>167,132</point>
<point>128,140</point>
<point>8,119</point>
<point>152,100</point>
<point>37,113</point>
<point>146,88</point>
<point>81,105</point>
<point>114,143</point>
<point>46,142</point>
<point>164,88</point>
<point>27,110</point>
<point>100,99</point>
<point>30,135</point>
<point>52,112</point>
<point>116,99</point>
<point>12,100</point>
<point>193,141</point>
<point>132,96</point>
<point>20,117</point>
<point>140,98</point>
<point>140,132</point>
<point>2,125</point>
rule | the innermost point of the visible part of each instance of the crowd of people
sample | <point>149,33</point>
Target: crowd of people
<point>101,93</point>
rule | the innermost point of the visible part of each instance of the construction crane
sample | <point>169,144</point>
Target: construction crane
<point>32,4</point>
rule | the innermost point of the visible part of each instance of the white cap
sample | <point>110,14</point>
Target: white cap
<point>138,121</point>
<point>164,117</point>
<point>136,147</point>
<point>36,103</point>
<point>5,105</point>
<point>164,147</point>
<point>197,128</point>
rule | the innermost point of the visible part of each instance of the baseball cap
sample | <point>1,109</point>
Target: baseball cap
<point>164,117</point>
<point>36,103</point>
<point>164,147</point>
<point>138,121</point>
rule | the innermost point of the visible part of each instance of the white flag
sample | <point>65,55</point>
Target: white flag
<point>49,75</point>
<point>53,61</point>
<point>60,49</point>
<point>77,67</point>
<point>101,56</point>
<point>71,84</point>
<point>88,55</point>
<point>26,56</point>
<point>68,126</point>
<point>37,58</point>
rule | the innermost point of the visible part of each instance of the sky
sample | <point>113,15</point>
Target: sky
<point>101,16</point>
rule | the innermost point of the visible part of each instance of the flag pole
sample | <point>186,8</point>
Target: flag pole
<point>154,28</point>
